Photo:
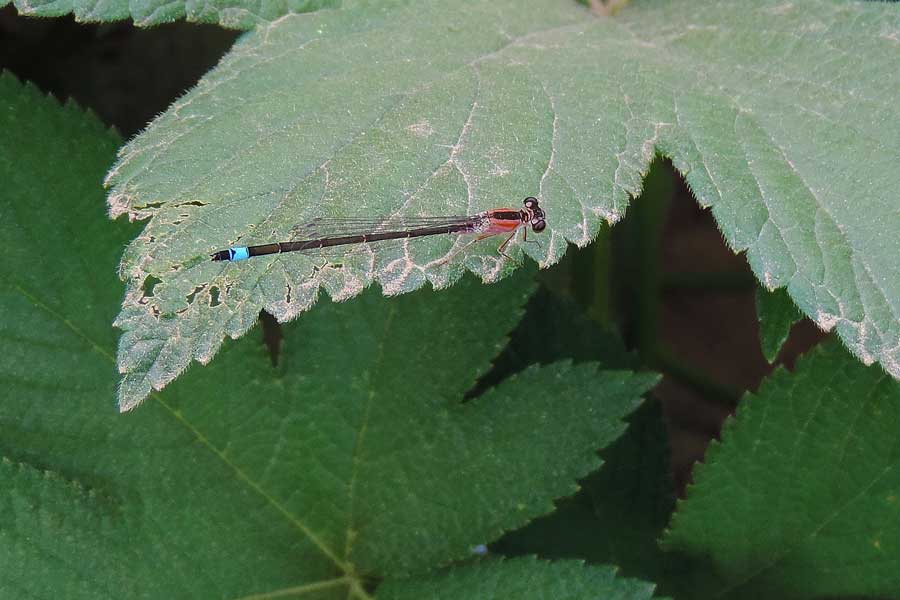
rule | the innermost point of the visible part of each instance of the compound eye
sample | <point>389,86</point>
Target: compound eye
<point>530,202</point>
<point>538,225</point>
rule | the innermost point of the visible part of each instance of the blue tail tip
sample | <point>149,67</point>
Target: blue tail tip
<point>232,254</point>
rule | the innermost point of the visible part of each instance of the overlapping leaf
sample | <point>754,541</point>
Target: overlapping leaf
<point>781,116</point>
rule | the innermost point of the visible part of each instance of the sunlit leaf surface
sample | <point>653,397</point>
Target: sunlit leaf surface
<point>782,117</point>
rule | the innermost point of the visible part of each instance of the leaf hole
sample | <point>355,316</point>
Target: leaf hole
<point>147,287</point>
<point>193,294</point>
<point>214,296</point>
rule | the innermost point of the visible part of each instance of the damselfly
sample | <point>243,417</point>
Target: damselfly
<point>345,232</point>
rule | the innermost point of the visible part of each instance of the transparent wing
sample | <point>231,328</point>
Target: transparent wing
<point>324,227</point>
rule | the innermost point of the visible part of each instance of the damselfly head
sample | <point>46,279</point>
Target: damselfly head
<point>534,214</point>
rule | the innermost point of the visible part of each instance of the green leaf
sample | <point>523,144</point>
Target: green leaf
<point>57,299</point>
<point>316,479</point>
<point>51,161</point>
<point>621,510</point>
<point>234,14</point>
<point>43,513</point>
<point>800,500</point>
<point>555,328</point>
<point>523,579</point>
<point>353,461</point>
<point>777,314</point>
<point>440,108</point>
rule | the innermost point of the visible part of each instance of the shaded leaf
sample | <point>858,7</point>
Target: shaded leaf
<point>621,510</point>
<point>555,328</point>
<point>523,579</point>
<point>780,116</point>
<point>72,537</point>
<point>777,314</point>
<point>800,500</point>
<point>51,263</point>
